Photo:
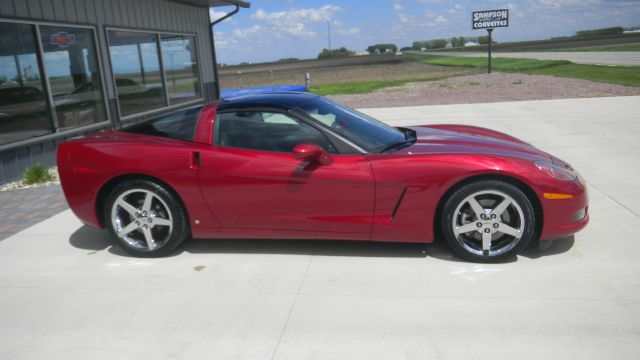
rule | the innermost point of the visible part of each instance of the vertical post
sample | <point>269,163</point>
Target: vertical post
<point>16,60</point>
<point>490,41</point>
<point>142,72</point>
<point>307,81</point>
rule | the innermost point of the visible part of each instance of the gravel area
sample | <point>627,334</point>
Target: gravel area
<point>482,88</point>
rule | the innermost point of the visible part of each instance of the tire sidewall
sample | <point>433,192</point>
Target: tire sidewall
<point>180,228</point>
<point>462,193</point>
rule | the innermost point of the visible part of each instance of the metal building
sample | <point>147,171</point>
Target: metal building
<point>68,67</point>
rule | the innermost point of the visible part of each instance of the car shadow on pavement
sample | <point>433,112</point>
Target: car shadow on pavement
<point>88,238</point>
<point>558,246</point>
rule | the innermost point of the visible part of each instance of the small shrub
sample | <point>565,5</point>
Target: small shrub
<point>36,174</point>
<point>517,82</point>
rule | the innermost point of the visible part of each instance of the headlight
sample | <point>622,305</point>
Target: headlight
<point>556,171</point>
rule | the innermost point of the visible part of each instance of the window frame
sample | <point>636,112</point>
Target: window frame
<point>53,116</point>
<point>158,36</point>
<point>216,127</point>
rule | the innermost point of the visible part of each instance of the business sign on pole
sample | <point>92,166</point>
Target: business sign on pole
<point>489,19</point>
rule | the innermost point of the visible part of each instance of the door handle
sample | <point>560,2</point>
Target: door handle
<point>194,162</point>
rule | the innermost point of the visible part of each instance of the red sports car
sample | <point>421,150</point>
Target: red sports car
<point>300,166</point>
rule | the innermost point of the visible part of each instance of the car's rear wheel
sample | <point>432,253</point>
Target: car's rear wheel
<point>145,218</point>
<point>488,221</point>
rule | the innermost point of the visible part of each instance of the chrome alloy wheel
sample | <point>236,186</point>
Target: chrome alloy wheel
<point>142,219</point>
<point>488,223</point>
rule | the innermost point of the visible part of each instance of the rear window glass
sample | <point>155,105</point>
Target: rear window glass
<point>179,125</point>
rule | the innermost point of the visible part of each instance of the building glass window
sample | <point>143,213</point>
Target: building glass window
<point>136,70</point>
<point>180,68</point>
<point>23,106</point>
<point>74,77</point>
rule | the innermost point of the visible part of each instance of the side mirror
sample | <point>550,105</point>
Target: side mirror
<point>312,152</point>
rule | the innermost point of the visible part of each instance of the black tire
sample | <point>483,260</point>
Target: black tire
<point>517,218</point>
<point>165,222</point>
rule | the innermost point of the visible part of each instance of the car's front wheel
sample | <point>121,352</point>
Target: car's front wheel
<point>145,218</point>
<point>488,221</point>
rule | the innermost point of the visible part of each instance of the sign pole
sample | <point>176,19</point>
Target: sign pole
<point>490,41</point>
<point>489,20</point>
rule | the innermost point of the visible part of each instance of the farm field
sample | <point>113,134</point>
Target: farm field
<point>614,47</point>
<point>624,75</point>
<point>356,69</point>
<point>389,80</point>
<point>607,58</point>
<point>558,44</point>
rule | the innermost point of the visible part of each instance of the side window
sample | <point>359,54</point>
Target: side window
<point>266,131</point>
<point>179,125</point>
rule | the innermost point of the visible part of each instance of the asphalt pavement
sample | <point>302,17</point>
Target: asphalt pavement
<point>619,58</point>
<point>66,293</point>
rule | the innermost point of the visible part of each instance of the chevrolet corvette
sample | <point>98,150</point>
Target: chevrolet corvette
<point>300,166</point>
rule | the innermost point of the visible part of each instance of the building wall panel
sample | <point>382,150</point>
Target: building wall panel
<point>158,15</point>
<point>21,8</point>
<point>6,8</point>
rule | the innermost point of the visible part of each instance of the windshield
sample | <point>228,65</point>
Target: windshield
<point>370,134</point>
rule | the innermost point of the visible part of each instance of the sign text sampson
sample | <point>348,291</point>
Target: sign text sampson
<point>489,19</point>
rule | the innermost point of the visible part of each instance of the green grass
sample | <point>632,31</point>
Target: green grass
<point>36,174</point>
<point>498,64</point>
<point>616,47</point>
<point>364,87</point>
<point>623,75</point>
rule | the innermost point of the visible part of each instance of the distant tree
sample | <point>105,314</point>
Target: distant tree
<point>417,45</point>
<point>3,79</point>
<point>598,32</point>
<point>382,48</point>
<point>437,44</point>
<point>406,48</point>
<point>458,41</point>
<point>289,59</point>
<point>326,53</point>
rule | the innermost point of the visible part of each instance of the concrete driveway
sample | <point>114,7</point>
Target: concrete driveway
<point>65,293</point>
<point>625,58</point>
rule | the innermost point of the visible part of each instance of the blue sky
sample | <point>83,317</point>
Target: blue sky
<point>276,29</point>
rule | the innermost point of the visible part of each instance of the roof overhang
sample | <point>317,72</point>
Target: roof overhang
<point>216,3</point>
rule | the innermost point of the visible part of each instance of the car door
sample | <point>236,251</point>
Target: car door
<point>251,179</point>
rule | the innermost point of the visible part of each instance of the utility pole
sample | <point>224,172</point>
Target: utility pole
<point>329,32</point>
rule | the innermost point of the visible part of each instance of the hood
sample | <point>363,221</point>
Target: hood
<point>480,141</point>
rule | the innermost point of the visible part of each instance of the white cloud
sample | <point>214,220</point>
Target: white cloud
<point>215,15</point>
<point>349,31</point>
<point>402,16</point>
<point>245,33</point>
<point>556,4</point>
<point>432,1</point>
<point>294,22</point>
